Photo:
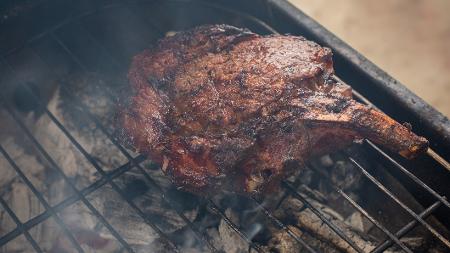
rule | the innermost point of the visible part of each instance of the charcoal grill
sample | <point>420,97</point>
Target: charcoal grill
<point>46,40</point>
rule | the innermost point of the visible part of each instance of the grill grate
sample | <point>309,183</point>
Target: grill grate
<point>135,162</point>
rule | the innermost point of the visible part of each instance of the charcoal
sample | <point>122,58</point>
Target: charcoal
<point>282,242</point>
<point>307,220</point>
<point>230,241</point>
<point>359,222</point>
<point>326,161</point>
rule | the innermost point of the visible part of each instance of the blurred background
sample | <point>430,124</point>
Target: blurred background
<point>409,39</point>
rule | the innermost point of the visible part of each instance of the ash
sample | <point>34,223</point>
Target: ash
<point>154,200</point>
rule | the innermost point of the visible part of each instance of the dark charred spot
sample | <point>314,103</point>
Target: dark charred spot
<point>243,37</point>
<point>296,110</point>
<point>407,125</point>
<point>338,106</point>
<point>329,81</point>
<point>266,173</point>
<point>250,131</point>
<point>196,90</point>
<point>157,83</point>
<point>211,73</point>
<point>240,79</point>
<point>287,127</point>
<point>230,30</point>
<point>291,164</point>
<point>195,148</point>
<point>233,120</point>
<point>229,152</point>
<point>304,93</point>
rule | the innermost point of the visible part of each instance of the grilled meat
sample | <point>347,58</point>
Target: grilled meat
<point>224,108</point>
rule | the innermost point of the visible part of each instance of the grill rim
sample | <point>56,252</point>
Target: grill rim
<point>218,209</point>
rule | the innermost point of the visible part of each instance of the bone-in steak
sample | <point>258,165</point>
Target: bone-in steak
<point>223,108</point>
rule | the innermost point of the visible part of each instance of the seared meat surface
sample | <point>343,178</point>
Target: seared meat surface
<point>223,108</point>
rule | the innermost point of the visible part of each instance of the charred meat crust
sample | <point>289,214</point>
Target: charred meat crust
<point>222,108</point>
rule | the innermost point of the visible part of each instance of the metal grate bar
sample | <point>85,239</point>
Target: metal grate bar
<point>393,197</point>
<point>41,199</point>
<point>20,225</point>
<point>282,226</point>
<point>196,231</point>
<point>408,227</point>
<point>214,208</point>
<point>409,174</point>
<point>438,159</point>
<point>89,158</point>
<point>69,201</point>
<point>375,222</point>
<point>287,193</point>
<point>319,214</point>
<point>353,203</point>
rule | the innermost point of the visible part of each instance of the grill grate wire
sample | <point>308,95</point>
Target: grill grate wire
<point>107,177</point>
<point>19,225</point>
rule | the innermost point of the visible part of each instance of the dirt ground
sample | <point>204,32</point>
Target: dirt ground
<point>409,39</point>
